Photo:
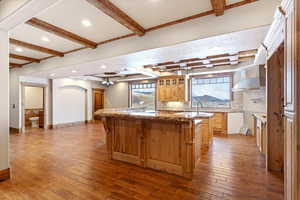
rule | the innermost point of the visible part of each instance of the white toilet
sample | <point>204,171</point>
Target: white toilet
<point>34,122</point>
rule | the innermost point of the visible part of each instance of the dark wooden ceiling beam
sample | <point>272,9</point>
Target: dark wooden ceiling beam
<point>252,51</point>
<point>173,67</point>
<point>165,63</point>
<point>15,65</point>
<point>35,47</point>
<point>156,69</point>
<point>19,57</point>
<point>194,64</point>
<point>148,66</point>
<point>218,6</point>
<point>245,58</point>
<point>37,23</point>
<point>117,14</point>
<point>219,61</point>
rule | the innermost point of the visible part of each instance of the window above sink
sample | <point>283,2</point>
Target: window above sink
<point>212,91</point>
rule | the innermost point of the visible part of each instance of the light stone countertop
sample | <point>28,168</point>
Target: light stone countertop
<point>211,110</point>
<point>149,114</point>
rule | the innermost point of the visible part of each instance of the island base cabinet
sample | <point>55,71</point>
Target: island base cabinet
<point>169,146</point>
<point>206,133</point>
<point>163,145</point>
<point>122,140</point>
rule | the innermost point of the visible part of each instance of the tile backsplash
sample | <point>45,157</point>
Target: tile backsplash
<point>254,101</point>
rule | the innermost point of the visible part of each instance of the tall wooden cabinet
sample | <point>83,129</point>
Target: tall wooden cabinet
<point>275,126</point>
<point>172,88</point>
<point>291,97</point>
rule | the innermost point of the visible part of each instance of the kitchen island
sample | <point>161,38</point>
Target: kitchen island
<point>157,140</point>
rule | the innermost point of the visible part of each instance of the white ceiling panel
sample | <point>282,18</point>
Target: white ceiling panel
<point>7,7</point>
<point>27,52</point>
<point>34,36</point>
<point>68,14</point>
<point>12,60</point>
<point>149,13</point>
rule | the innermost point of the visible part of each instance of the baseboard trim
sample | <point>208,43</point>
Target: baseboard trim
<point>4,174</point>
<point>64,125</point>
<point>15,130</point>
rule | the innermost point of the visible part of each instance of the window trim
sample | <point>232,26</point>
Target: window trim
<point>206,76</point>
<point>142,82</point>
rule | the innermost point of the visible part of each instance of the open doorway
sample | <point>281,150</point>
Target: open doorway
<point>33,107</point>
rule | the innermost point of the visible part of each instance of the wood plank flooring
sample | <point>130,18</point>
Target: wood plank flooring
<point>71,163</point>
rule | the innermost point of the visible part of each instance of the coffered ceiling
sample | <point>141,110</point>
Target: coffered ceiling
<point>70,26</point>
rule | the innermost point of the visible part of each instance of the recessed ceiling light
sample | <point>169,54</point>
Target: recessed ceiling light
<point>103,67</point>
<point>18,49</point>
<point>74,71</point>
<point>52,74</point>
<point>86,23</point>
<point>45,39</point>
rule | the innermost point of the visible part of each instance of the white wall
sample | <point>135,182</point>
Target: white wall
<point>69,100</point>
<point>69,105</point>
<point>15,100</point>
<point>116,96</point>
<point>34,98</point>
<point>4,88</point>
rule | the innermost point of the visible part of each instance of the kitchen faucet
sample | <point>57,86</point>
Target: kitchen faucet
<point>199,102</point>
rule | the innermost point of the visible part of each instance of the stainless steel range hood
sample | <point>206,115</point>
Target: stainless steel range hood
<point>251,83</point>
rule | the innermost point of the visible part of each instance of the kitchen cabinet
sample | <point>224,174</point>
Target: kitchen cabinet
<point>260,132</point>
<point>172,88</point>
<point>219,123</point>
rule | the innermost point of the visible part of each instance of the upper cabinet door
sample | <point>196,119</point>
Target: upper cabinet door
<point>290,60</point>
<point>172,89</point>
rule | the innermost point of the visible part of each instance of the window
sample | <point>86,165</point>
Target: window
<point>143,95</point>
<point>212,92</point>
